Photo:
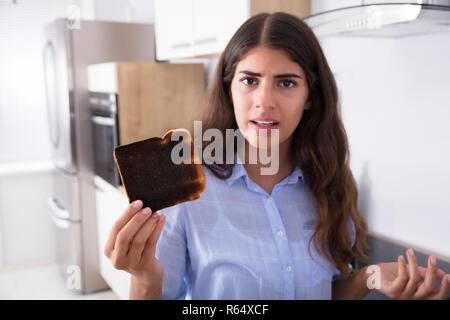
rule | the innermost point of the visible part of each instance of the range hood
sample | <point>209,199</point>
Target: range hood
<point>383,19</point>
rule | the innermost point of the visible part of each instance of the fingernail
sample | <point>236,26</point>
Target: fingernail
<point>411,252</point>
<point>433,260</point>
<point>146,211</point>
<point>137,204</point>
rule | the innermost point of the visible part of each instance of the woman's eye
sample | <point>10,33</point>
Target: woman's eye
<point>249,81</point>
<point>287,83</point>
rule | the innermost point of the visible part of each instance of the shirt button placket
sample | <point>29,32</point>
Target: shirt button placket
<point>283,247</point>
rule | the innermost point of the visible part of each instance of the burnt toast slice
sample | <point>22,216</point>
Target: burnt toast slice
<point>149,172</point>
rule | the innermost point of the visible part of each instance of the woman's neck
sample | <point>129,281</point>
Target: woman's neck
<point>285,166</point>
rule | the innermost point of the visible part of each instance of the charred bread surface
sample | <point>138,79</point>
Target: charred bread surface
<point>149,174</point>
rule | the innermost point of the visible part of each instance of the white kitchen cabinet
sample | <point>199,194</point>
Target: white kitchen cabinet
<point>206,26</point>
<point>174,29</point>
<point>111,203</point>
<point>193,28</point>
<point>215,22</point>
<point>190,28</point>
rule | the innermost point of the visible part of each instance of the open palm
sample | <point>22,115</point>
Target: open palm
<point>399,280</point>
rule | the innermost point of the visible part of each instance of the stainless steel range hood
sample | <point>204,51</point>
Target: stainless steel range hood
<point>383,19</point>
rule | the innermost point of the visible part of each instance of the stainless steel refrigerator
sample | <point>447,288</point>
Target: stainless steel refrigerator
<point>67,52</point>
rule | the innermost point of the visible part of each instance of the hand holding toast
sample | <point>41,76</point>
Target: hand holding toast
<point>131,247</point>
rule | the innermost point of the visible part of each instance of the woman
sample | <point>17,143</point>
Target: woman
<point>287,235</point>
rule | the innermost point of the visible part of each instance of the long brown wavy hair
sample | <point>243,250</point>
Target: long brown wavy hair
<point>320,145</point>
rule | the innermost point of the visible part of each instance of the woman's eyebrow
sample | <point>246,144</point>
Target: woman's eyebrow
<point>284,75</point>
<point>288,75</point>
<point>250,73</point>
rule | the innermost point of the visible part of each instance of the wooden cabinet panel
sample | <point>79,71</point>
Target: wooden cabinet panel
<point>299,8</point>
<point>157,97</point>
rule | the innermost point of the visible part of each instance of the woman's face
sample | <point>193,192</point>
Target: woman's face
<point>269,91</point>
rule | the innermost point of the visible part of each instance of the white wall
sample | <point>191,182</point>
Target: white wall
<point>395,96</point>
<point>22,112</point>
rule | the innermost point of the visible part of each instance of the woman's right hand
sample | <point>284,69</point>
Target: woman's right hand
<point>131,245</point>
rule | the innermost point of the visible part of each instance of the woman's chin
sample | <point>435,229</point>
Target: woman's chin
<point>255,143</point>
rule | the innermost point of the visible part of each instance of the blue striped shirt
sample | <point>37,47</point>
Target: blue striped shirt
<point>238,242</point>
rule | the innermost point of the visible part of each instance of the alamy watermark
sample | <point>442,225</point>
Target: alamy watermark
<point>73,280</point>
<point>214,152</point>
<point>374,280</point>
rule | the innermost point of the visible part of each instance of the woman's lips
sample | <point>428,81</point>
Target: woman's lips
<point>258,127</point>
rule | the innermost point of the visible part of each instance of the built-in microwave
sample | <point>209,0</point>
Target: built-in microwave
<point>105,131</point>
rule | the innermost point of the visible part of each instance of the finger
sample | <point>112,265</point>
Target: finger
<point>443,289</point>
<point>129,212</point>
<point>423,271</point>
<point>398,285</point>
<point>124,238</point>
<point>150,246</point>
<point>128,232</point>
<point>429,284</point>
<point>440,274</point>
<point>139,241</point>
<point>414,276</point>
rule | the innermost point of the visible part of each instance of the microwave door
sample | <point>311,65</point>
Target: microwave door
<point>105,140</point>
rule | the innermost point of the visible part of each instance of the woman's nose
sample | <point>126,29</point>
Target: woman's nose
<point>264,96</point>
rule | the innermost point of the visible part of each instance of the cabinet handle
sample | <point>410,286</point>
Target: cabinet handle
<point>104,121</point>
<point>181,45</point>
<point>205,40</point>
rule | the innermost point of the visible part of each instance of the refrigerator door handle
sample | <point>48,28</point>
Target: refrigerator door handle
<point>56,210</point>
<point>60,223</point>
<point>50,92</point>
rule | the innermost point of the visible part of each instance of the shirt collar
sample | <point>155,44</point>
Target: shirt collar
<point>295,176</point>
<point>239,171</point>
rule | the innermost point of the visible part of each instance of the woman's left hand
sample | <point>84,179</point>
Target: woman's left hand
<point>401,281</point>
